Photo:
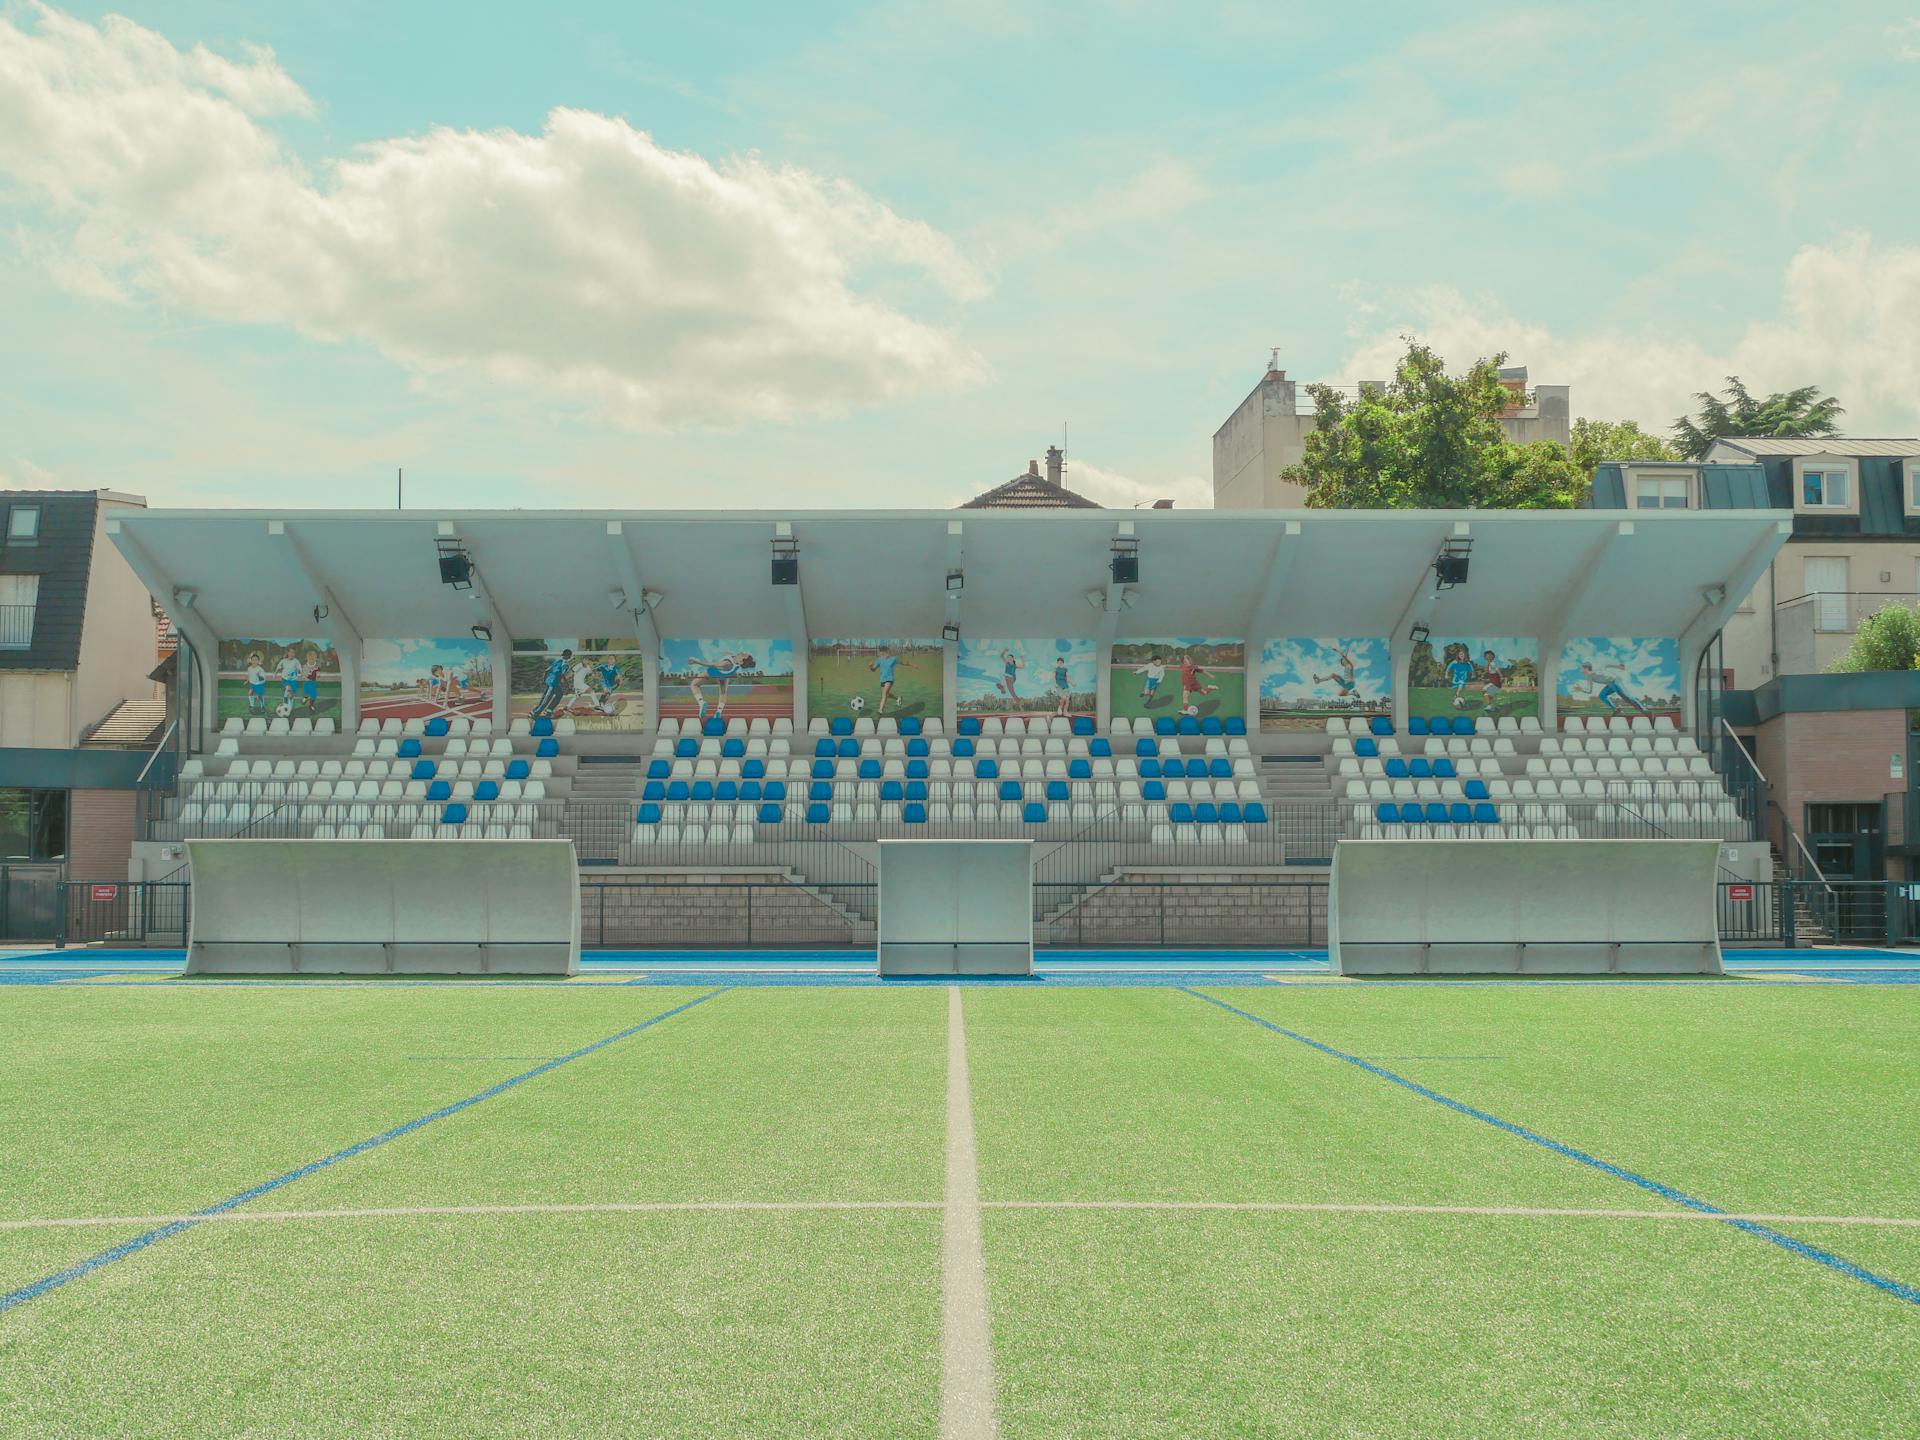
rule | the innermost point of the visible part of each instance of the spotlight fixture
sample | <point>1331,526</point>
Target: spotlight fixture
<point>320,612</point>
<point>1450,565</point>
<point>956,580</point>
<point>786,561</point>
<point>483,633</point>
<point>456,565</point>
<point>1418,635</point>
<point>1125,564</point>
<point>617,598</point>
<point>950,634</point>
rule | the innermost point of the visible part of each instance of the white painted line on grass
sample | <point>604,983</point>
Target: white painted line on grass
<point>966,1333</point>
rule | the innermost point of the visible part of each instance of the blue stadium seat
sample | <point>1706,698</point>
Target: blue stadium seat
<point>547,749</point>
<point>1254,813</point>
<point>1205,813</point>
<point>1229,812</point>
<point>917,749</point>
<point>1460,813</point>
<point>840,725</point>
<point>771,814</point>
<point>777,789</point>
<point>817,814</point>
<point>1476,789</point>
<point>439,725</point>
<point>1366,749</point>
<point>1386,814</point>
<point>686,748</point>
<point>750,790</point>
<point>822,770</point>
<point>917,770</point>
<point>820,790</point>
<point>1417,725</point>
<point>1213,725</point>
<point>454,814</point>
<point>676,790</point>
<point>648,814</point>
<point>1144,746</point>
<point>542,726</point>
<point>423,770</point>
<point>1236,725</point>
<point>654,790</point>
<point>713,725</point>
<point>869,769</point>
<point>1078,769</point>
<point>1164,725</point>
<point>892,790</point>
<point>1150,769</point>
<point>1436,813</point>
<point>969,724</point>
<point>439,790</point>
<point>754,769</point>
<point>1057,790</point>
<point>656,769</point>
<point>733,749</point>
<point>824,748</point>
<point>914,814</point>
<point>1035,814</point>
<point>702,790</point>
<point>1189,725</point>
<point>1220,768</point>
<point>1443,769</point>
<point>410,748</point>
<point>486,790</point>
<point>1380,725</point>
<point>1485,814</point>
<point>1009,789</point>
<point>1100,746</point>
<point>1180,813</point>
<point>518,770</point>
<point>963,749</point>
<point>1463,725</point>
<point>987,769</point>
<point>1153,790</point>
<point>910,725</point>
<point>849,749</point>
<point>1396,768</point>
<point>1420,769</point>
<point>916,790</point>
<point>726,790</point>
<point>1083,725</point>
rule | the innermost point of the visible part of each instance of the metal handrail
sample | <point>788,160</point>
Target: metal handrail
<point>1760,774</point>
<point>165,736</point>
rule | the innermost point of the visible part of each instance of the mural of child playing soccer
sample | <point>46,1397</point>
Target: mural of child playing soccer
<point>720,671</point>
<point>883,665</point>
<point>1459,674</point>
<point>256,684</point>
<point>1151,674</point>
<point>556,675</point>
<point>1062,686</point>
<point>310,681</point>
<point>1192,690</point>
<point>1492,680</point>
<point>1606,687</point>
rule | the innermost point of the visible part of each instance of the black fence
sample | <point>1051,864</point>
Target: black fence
<point>139,912</point>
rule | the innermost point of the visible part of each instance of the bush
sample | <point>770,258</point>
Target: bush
<point>1889,640</point>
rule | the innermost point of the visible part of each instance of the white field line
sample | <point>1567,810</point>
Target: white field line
<point>655,1207</point>
<point>966,1335</point>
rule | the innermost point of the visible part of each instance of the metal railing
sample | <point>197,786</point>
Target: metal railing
<point>1840,612</point>
<point>124,912</point>
<point>16,626</point>
<point>1196,912</point>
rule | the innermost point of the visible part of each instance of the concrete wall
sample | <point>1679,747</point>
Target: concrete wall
<point>1879,573</point>
<point>1225,907</point>
<point>641,909</point>
<point>118,650</point>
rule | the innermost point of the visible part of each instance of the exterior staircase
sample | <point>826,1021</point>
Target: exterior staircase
<point>1298,790</point>
<point>1808,927</point>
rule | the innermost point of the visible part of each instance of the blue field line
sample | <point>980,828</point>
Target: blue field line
<point>1896,1288</point>
<point>233,1202</point>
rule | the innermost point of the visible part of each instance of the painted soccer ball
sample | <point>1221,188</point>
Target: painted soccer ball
<point>1191,710</point>
<point>285,709</point>
<point>1459,702</point>
<point>858,703</point>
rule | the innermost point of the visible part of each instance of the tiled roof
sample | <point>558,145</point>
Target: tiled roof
<point>1769,445</point>
<point>131,724</point>
<point>1030,492</point>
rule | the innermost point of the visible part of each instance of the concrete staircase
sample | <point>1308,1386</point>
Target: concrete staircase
<point>1298,790</point>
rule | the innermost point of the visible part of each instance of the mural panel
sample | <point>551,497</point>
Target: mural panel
<point>1303,682</point>
<point>749,679</point>
<point>875,677</point>
<point>285,679</point>
<point>1181,676</point>
<point>1619,675</point>
<point>1474,675</point>
<point>1025,677</point>
<point>417,679</point>
<point>596,680</point>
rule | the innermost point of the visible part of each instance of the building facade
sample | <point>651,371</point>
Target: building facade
<point>1268,431</point>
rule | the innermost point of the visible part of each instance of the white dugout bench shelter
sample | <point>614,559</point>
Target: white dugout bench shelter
<point>383,907</point>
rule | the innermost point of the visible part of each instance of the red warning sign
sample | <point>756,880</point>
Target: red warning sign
<point>1739,892</point>
<point>106,892</point>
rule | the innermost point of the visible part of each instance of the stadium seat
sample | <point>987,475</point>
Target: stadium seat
<point>910,725</point>
<point>647,814</point>
<point>1057,790</point>
<point>848,749</point>
<point>913,814</point>
<point>1204,813</point>
<point>775,790</point>
<point>918,749</point>
<point>969,725</point>
<point>678,791</point>
<point>892,791</point>
<point>1100,747</point>
<point>1212,725</point>
<point>1034,814</point>
<point>1380,725</point>
<point>1367,748</point>
<point>1476,789</point>
<point>1187,725</point>
<point>486,790</point>
<point>987,769</point>
<point>1083,725</point>
<point>840,725</point>
<point>1397,769</point>
<point>455,814</point>
<point>652,790</point>
<point>440,790</point>
<point>963,749</point>
<point>1463,725</point>
<point>1254,813</point>
<point>518,770</point>
<point>817,814</point>
<point>1153,790</point>
<point>1079,770</point>
<point>1010,790</point>
<point>1220,768</point>
<point>541,727</point>
<point>820,790</point>
<point>1230,812</point>
<point>917,770</point>
<point>1417,725</point>
<point>1444,769</point>
<point>822,770</point>
<point>1163,725</point>
<point>724,791</point>
<point>770,814</point>
<point>1437,813</point>
<point>1180,813</point>
<point>869,770</point>
<point>1460,813</point>
<point>1149,768</point>
<point>423,770</point>
<point>1485,814</point>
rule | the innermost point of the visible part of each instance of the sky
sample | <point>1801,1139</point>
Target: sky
<point>641,255</point>
<point>1289,666</point>
<point>979,666</point>
<point>401,662</point>
<point>1645,667</point>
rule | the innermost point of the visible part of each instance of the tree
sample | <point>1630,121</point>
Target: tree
<point>1597,441</point>
<point>1888,640</point>
<point>1795,412</point>
<point>1430,440</point>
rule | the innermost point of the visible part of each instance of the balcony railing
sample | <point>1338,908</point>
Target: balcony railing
<point>1814,629</point>
<point>16,626</point>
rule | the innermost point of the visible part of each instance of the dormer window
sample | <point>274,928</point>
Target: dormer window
<point>1912,487</point>
<point>1660,492</point>
<point>1824,484</point>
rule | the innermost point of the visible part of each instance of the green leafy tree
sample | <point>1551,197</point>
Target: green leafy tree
<point>1794,412</point>
<point>1430,440</point>
<point>1888,640</point>
<point>1597,441</point>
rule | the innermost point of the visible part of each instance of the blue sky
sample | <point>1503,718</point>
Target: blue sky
<point>844,254</point>
<point>401,662</point>
<point>978,667</point>
<point>771,657</point>
<point>1645,667</point>
<point>1288,667</point>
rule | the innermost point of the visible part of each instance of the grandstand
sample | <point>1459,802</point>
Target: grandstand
<point>1241,776</point>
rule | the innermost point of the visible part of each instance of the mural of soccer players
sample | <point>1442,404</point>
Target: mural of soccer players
<point>596,681</point>
<point>1188,676</point>
<point>1035,677</point>
<point>1477,676</point>
<point>1305,681</point>
<point>278,680</point>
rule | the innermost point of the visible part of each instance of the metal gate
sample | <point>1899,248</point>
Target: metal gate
<point>30,902</point>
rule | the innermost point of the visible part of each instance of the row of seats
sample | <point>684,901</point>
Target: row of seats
<point>1499,788</point>
<point>1502,724</point>
<point>1149,792</point>
<point>301,726</point>
<point>651,818</point>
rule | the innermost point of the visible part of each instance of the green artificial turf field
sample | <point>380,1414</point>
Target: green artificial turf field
<point>730,1221</point>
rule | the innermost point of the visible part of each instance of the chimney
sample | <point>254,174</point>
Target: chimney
<point>1056,462</point>
<point>1033,468</point>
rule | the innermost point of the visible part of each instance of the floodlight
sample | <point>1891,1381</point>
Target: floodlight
<point>950,633</point>
<point>786,561</point>
<point>1125,564</point>
<point>456,565</point>
<point>1418,635</point>
<point>483,633</point>
<point>1451,564</point>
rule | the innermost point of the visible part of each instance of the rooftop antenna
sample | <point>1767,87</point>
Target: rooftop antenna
<point>400,488</point>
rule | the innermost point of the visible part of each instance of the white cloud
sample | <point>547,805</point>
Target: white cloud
<point>1110,487</point>
<point>1905,35</point>
<point>586,262</point>
<point>1848,321</point>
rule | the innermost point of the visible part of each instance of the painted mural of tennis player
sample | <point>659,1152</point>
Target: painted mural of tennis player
<point>718,672</point>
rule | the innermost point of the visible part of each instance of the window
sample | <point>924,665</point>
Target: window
<point>33,824</point>
<point>23,525</point>
<point>1826,577</point>
<point>1660,492</point>
<point>1825,489</point>
<point>19,598</point>
<point>1913,487</point>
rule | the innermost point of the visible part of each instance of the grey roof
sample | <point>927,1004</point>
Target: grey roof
<point>1759,445</point>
